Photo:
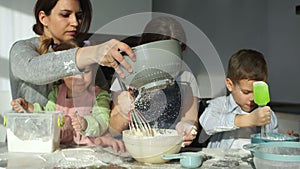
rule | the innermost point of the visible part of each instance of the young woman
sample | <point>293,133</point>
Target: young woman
<point>32,74</point>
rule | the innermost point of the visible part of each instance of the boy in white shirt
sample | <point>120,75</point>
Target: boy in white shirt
<point>230,120</point>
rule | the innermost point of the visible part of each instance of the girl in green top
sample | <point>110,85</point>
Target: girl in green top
<point>86,107</point>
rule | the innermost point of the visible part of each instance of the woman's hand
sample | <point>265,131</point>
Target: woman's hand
<point>28,107</point>
<point>106,54</point>
<point>113,56</point>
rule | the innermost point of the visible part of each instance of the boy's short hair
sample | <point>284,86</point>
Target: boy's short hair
<point>247,64</point>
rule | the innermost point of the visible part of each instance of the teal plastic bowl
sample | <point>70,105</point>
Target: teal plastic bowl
<point>272,137</point>
<point>275,155</point>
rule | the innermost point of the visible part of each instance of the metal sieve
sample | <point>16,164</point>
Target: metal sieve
<point>157,65</point>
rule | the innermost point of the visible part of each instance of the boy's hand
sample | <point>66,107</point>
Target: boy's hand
<point>261,116</point>
<point>79,123</point>
<point>258,117</point>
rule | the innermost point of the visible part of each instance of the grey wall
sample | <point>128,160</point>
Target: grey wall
<point>106,11</point>
<point>270,26</point>
<point>283,45</point>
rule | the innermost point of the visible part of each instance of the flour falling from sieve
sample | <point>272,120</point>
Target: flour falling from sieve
<point>160,107</point>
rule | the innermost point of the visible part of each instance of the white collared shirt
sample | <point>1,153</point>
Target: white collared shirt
<point>218,121</point>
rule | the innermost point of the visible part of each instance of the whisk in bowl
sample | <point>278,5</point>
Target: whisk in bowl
<point>138,125</point>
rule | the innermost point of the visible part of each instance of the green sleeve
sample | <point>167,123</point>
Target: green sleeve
<point>51,104</point>
<point>98,121</point>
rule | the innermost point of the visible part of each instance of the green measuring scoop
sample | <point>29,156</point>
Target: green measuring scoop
<point>261,93</point>
<point>261,98</point>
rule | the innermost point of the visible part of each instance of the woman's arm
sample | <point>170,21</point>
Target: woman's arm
<point>27,65</point>
<point>105,54</point>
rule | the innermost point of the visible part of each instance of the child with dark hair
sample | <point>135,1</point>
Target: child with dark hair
<point>175,106</point>
<point>230,120</point>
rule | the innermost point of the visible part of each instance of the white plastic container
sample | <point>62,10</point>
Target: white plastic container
<point>5,99</point>
<point>37,132</point>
